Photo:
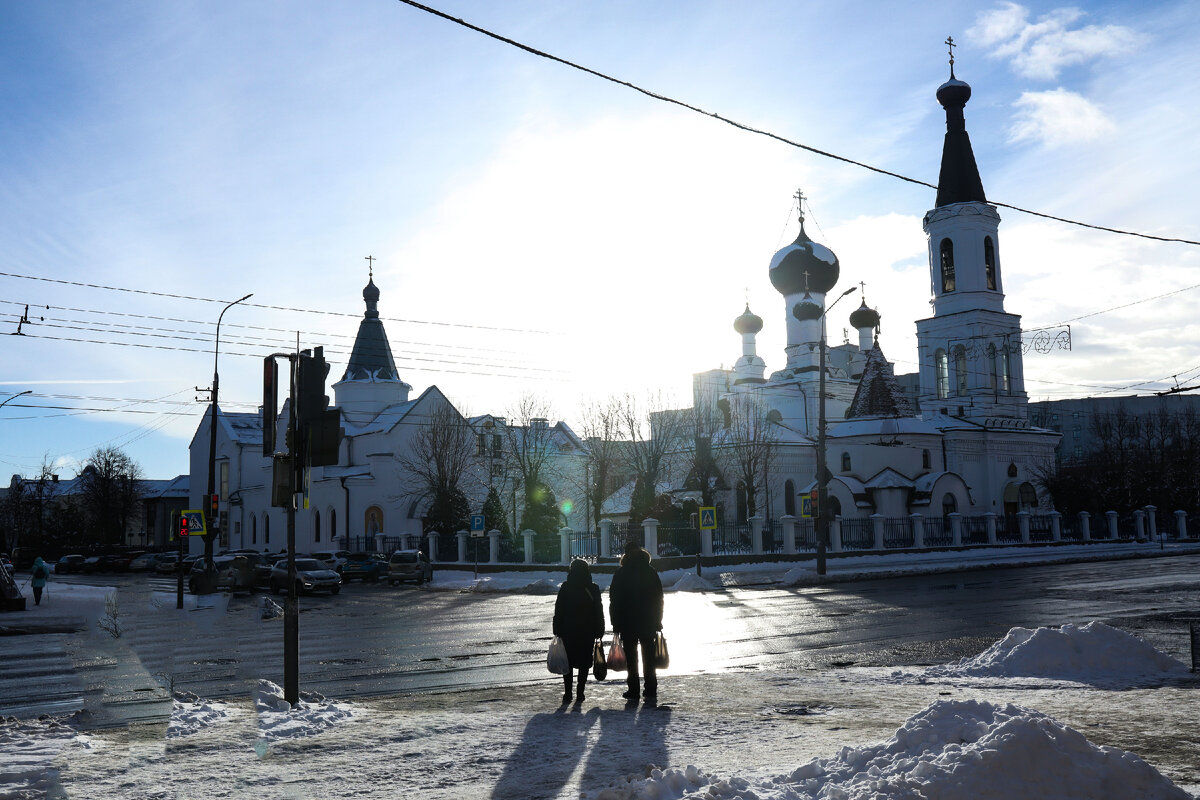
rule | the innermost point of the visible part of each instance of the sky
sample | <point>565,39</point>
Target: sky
<point>537,229</point>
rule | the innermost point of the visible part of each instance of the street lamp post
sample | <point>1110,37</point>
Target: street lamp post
<point>212,458</point>
<point>822,471</point>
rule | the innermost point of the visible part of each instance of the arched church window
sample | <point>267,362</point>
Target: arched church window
<point>1005,375</point>
<point>989,261</point>
<point>789,497</point>
<point>960,370</point>
<point>993,370</point>
<point>941,368</point>
<point>266,528</point>
<point>926,459</point>
<point>846,462</point>
<point>949,505</point>
<point>1028,495</point>
<point>253,529</point>
<point>316,525</point>
<point>332,525</point>
<point>947,261</point>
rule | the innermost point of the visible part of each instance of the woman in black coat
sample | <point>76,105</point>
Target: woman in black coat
<point>635,606</point>
<point>579,622</point>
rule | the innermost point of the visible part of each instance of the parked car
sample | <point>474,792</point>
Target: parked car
<point>166,563</point>
<point>144,562</point>
<point>311,576</point>
<point>91,564</point>
<point>335,559</point>
<point>69,564</point>
<point>233,573</point>
<point>365,567</point>
<point>409,565</point>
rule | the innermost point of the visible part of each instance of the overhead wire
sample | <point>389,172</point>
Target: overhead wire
<point>761,131</point>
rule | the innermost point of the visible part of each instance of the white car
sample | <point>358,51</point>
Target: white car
<point>334,559</point>
<point>311,576</point>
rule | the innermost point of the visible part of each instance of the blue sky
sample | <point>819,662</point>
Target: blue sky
<point>535,228</point>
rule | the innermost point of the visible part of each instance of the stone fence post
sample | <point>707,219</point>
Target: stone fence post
<point>1023,525</point>
<point>606,528</point>
<point>462,547</point>
<point>494,546</point>
<point>990,517</point>
<point>1181,524</point>
<point>877,529</point>
<point>1111,516</point>
<point>835,535</point>
<point>433,549</point>
<point>918,529</point>
<point>650,527</point>
<point>956,529</point>
<point>1085,526</point>
<point>1055,526</point>
<point>788,526</point>
<point>1139,524</point>
<point>564,540</point>
<point>528,536</point>
<point>756,529</point>
<point>1152,521</point>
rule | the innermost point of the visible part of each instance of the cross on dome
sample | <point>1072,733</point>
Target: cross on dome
<point>800,204</point>
<point>370,266</point>
<point>950,43</point>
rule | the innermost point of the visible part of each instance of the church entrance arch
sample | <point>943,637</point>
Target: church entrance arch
<point>1019,496</point>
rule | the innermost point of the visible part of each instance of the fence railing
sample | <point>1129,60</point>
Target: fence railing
<point>858,534</point>
<point>898,532</point>
<point>938,532</point>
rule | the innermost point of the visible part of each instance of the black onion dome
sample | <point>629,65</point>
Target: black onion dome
<point>790,265</point>
<point>863,317</point>
<point>748,322</point>
<point>806,309</point>
<point>954,93</point>
<point>371,298</point>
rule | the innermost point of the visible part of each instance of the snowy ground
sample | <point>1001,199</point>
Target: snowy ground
<point>1054,713</point>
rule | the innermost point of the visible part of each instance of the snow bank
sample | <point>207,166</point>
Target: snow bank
<point>191,714</point>
<point>30,751</point>
<point>1094,652</point>
<point>511,583</point>
<point>278,719</point>
<point>798,575</point>
<point>691,582</point>
<point>948,751</point>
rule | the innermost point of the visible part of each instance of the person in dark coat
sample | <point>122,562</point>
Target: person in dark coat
<point>579,622</point>
<point>635,607</point>
<point>38,577</point>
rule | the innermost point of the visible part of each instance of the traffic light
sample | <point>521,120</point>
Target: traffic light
<point>183,526</point>
<point>270,404</point>
<point>214,515</point>
<point>320,427</point>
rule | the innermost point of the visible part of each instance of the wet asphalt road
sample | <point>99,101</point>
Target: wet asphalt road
<point>377,640</point>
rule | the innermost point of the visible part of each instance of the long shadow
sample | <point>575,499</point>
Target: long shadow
<point>551,746</point>
<point>632,741</point>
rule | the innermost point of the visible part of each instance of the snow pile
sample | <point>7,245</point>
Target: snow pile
<point>514,583</point>
<point>190,715</point>
<point>278,719</point>
<point>30,751</point>
<point>1092,652</point>
<point>950,750</point>
<point>798,575</point>
<point>691,582</point>
<point>269,609</point>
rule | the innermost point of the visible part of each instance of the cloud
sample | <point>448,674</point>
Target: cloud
<point>1057,117</point>
<point>1041,49</point>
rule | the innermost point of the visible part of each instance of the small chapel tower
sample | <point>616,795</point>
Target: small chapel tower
<point>371,382</point>
<point>970,349</point>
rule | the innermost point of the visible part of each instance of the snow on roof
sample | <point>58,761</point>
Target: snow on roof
<point>881,426</point>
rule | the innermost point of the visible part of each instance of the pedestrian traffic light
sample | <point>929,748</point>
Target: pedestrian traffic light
<point>214,511</point>
<point>270,403</point>
<point>183,526</point>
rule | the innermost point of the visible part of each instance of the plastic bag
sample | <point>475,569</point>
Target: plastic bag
<point>599,664</point>
<point>556,659</point>
<point>616,656</point>
<point>662,658</point>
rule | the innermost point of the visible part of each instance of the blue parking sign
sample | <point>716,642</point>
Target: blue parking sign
<point>477,523</point>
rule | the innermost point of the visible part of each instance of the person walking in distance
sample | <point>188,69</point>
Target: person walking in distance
<point>635,606</point>
<point>579,622</point>
<point>39,575</point>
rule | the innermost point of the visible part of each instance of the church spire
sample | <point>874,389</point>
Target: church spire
<point>958,181</point>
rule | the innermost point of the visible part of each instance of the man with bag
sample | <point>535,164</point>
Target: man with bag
<point>635,607</point>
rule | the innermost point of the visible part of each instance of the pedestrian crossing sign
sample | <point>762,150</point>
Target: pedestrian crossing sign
<point>708,518</point>
<point>195,523</point>
<point>806,506</point>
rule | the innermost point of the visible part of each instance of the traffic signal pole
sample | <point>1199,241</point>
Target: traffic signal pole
<point>291,606</point>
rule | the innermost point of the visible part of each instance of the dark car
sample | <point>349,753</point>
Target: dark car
<point>69,564</point>
<point>365,567</point>
<point>114,562</point>
<point>311,576</point>
<point>233,573</point>
<point>167,563</point>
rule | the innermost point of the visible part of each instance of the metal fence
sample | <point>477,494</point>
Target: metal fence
<point>898,532</point>
<point>806,536</point>
<point>732,540</point>
<point>1007,529</point>
<point>858,534</point>
<point>1039,528</point>
<point>938,532</point>
<point>974,530</point>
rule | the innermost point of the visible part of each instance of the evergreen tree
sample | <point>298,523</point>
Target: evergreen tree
<point>541,513</point>
<point>493,513</point>
<point>449,512</point>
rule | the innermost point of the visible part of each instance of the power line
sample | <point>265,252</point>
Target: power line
<point>264,306</point>
<point>760,131</point>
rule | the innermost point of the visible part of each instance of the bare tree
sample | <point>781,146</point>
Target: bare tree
<point>529,450</point>
<point>601,431</point>
<point>654,435</point>
<point>110,491</point>
<point>749,447</point>
<point>440,467</point>
<point>25,508</point>
<point>704,472</point>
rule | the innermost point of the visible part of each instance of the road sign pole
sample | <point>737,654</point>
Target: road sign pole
<point>179,562</point>
<point>291,609</point>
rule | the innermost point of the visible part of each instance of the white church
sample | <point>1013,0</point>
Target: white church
<point>971,448</point>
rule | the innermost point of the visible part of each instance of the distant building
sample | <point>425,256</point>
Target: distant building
<point>1076,418</point>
